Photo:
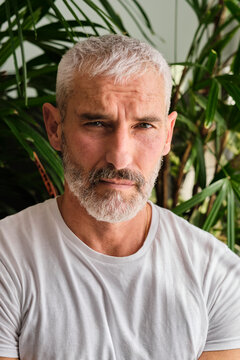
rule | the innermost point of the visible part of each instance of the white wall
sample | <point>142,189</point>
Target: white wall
<point>162,16</point>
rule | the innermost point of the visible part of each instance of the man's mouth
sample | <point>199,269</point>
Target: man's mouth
<point>117,182</point>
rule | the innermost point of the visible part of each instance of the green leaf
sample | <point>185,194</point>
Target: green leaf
<point>234,8</point>
<point>62,20</point>
<point>147,20</point>
<point>44,149</point>
<point>235,79</point>
<point>213,41</point>
<point>200,161</point>
<point>136,22</point>
<point>78,21</point>
<point>14,44</point>
<point>22,52</point>
<point>211,61</point>
<point>57,26</point>
<point>113,15</point>
<point>236,188</point>
<point>32,16</point>
<point>102,14</point>
<point>72,12</point>
<point>51,51</point>
<point>52,35</point>
<point>25,134</point>
<point>195,6</point>
<point>189,64</point>
<point>202,101</point>
<point>8,48</point>
<point>183,119</point>
<point>30,21</point>
<point>212,103</point>
<point>230,218</point>
<point>198,198</point>
<point>225,40</point>
<point>216,206</point>
<point>236,63</point>
<point>36,101</point>
<point>19,137</point>
<point>88,21</point>
<point>232,89</point>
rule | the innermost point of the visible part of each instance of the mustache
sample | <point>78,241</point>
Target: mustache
<point>109,172</point>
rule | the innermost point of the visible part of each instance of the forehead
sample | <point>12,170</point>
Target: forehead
<point>102,91</point>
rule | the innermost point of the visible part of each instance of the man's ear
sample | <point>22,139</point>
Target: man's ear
<point>170,126</point>
<point>52,120</point>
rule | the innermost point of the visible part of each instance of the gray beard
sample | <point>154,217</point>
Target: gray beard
<point>112,206</point>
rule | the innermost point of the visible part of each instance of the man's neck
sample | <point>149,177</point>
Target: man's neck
<point>119,239</point>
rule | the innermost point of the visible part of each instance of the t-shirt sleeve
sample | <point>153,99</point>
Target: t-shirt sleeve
<point>9,314</point>
<point>222,290</point>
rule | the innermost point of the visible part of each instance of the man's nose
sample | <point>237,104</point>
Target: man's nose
<point>120,148</point>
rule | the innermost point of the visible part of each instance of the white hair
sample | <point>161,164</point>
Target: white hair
<point>115,56</point>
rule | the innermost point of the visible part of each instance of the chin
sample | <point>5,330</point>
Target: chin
<point>113,206</point>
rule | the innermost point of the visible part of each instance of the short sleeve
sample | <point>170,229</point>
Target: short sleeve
<point>223,302</point>
<point>9,314</point>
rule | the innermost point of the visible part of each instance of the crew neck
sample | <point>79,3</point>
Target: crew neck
<point>78,245</point>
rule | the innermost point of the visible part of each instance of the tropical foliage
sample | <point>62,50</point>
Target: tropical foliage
<point>206,96</point>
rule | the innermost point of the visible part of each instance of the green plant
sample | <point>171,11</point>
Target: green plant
<point>207,98</point>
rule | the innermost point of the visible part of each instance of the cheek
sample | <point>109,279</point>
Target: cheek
<point>149,151</point>
<point>85,150</point>
<point>152,146</point>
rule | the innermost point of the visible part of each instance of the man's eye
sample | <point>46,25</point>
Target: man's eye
<point>95,124</point>
<point>145,125</point>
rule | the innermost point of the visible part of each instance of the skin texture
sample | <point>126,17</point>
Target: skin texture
<point>122,125</point>
<point>221,355</point>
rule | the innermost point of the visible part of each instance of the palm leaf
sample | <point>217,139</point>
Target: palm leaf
<point>212,103</point>
<point>198,198</point>
<point>116,18</point>
<point>216,206</point>
<point>13,43</point>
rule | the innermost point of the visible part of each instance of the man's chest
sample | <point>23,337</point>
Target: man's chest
<point>88,311</point>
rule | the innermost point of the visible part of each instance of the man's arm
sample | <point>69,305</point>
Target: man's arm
<point>221,355</point>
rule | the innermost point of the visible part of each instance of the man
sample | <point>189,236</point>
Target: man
<point>100,272</point>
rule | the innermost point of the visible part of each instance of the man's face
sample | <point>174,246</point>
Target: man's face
<point>113,139</point>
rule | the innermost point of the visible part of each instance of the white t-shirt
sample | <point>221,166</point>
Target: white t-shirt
<point>174,298</point>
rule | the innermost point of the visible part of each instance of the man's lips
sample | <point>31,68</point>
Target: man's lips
<point>117,182</point>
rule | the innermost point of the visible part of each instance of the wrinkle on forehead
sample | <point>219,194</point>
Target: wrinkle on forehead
<point>100,92</point>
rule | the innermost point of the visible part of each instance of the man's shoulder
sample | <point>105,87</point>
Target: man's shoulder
<point>192,247</point>
<point>178,230</point>
<point>169,219</point>
<point>26,213</point>
<point>22,235</point>
<point>25,221</point>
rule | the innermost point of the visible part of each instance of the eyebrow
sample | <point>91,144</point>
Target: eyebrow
<point>94,116</point>
<point>99,116</point>
<point>150,119</point>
